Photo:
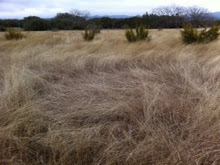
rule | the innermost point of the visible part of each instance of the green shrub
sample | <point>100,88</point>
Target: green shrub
<point>209,35</point>
<point>190,34</point>
<point>89,35</point>
<point>13,34</point>
<point>141,33</point>
<point>131,37</point>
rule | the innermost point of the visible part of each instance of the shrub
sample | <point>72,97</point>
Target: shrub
<point>190,34</point>
<point>131,37</point>
<point>141,33</point>
<point>13,34</point>
<point>89,35</point>
<point>209,35</point>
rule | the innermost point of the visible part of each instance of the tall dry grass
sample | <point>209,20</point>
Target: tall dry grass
<point>64,101</point>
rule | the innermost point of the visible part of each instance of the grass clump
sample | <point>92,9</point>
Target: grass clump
<point>141,33</point>
<point>89,34</point>
<point>190,34</point>
<point>13,34</point>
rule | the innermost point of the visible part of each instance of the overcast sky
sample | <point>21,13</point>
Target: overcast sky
<point>49,8</point>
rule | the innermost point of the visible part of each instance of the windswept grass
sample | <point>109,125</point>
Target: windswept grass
<point>64,101</point>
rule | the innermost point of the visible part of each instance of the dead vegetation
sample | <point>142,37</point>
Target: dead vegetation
<point>64,101</point>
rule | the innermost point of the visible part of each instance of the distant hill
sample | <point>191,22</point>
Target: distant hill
<point>110,16</point>
<point>216,15</point>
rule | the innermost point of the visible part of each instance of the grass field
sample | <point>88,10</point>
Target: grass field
<point>64,101</point>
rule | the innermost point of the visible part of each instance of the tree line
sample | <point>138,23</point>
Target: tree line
<point>161,17</point>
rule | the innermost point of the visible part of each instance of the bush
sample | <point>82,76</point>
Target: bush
<point>190,34</point>
<point>13,34</point>
<point>141,34</point>
<point>209,35</point>
<point>131,37</point>
<point>89,35</point>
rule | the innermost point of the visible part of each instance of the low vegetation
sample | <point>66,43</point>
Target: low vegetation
<point>140,34</point>
<point>89,34</point>
<point>190,34</point>
<point>64,101</point>
<point>13,34</point>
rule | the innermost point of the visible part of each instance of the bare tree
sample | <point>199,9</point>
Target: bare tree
<point>79,13</point>
<point>198,16</point>
<point>172,10</point>
<point>172,16</point>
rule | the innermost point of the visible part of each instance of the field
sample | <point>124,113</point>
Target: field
<point>65,101</point>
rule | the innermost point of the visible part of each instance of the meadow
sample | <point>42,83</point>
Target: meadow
<point>65,101</point>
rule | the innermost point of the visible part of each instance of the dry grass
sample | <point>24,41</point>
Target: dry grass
<point>64,101</point>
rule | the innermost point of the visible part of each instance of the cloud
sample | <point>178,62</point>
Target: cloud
<point>22,8</point>
<point>49,8</point>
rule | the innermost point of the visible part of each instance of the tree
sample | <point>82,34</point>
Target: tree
<point>8,23</point>
<point>172,16</point>
<point>34,23</point>
<point>70,21</point>
<point>172,10</point>
<point>176,16</point>
<point>104,22</point>
<point>79,13</point>
<point>199,16</point>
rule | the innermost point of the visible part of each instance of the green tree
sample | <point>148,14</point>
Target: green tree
<point>67,21</point>
<point>33,23</point>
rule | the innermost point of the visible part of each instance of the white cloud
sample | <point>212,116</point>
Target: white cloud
<point>49,8</point>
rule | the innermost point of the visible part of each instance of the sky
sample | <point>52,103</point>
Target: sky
<point>49,8</point>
